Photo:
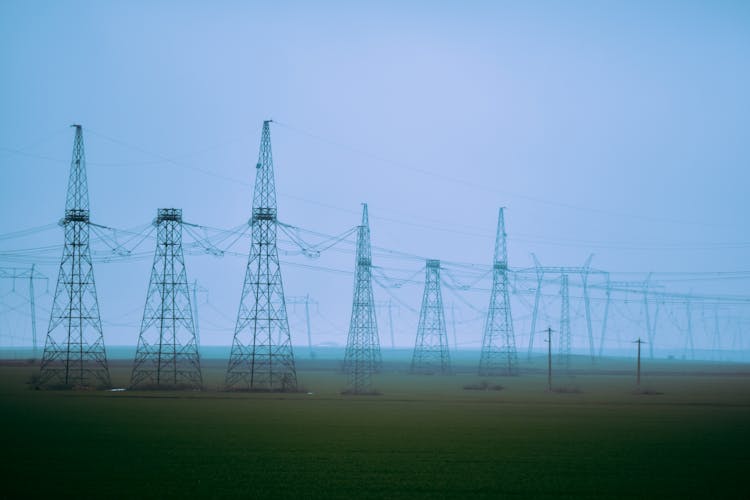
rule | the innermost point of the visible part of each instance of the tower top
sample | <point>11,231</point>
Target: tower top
<point>364,252</point>
<point>171,214</point>
<point>501,251</point>
<point>77,198</point>
<point>365,217</point>
<point>264,196</point>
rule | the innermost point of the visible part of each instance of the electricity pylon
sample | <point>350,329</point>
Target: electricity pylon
<point>564,351</point>
<point>689,338</point>
<point>629,288</point>
<point>362,355</point>
<point>585,272</point>
<point>431,353</point>
<point>74,354</point>
<point>167,353</point>
<point>31,275</point>
<point>262,358</point>
<point>499,356</point>
<point>306,301</point>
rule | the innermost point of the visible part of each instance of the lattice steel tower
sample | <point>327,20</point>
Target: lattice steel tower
<point>74,354</point>
<point>499,355</point>
<point>262,358</point>
<point>167,354</point>
<point>362,357</point>
<point>565,335</point>
<point>431,353</point>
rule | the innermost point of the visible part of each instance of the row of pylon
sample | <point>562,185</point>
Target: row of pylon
<point>261,357</point>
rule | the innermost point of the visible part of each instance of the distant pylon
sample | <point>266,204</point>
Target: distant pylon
<point>499,356</point>
<point>167,353</point>
<point>565,335</point>
<point>689,339</point>
<point>262,358</point>
<point>431,353</point>
<point>74,354</point>
<point>362,355</point>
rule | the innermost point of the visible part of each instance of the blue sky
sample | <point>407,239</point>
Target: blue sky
<point>618,128</point>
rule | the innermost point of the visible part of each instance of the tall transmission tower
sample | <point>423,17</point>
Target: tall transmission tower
<point>499,356</point>
<point>74,354</point>
<point>167,354</point>
<point>565,336</point>
<point>362,355</point>
<point>431,353</point>
<point>262,358</point>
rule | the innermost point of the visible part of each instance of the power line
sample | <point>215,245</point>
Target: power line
<point>481,186</point>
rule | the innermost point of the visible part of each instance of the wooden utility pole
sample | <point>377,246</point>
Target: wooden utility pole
<point>549,359</point>
<point>309,332</point>
<point>638,369</point>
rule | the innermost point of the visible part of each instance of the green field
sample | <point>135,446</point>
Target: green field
<point>425,436</point>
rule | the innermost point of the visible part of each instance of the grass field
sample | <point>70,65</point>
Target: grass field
<point>425,436</point>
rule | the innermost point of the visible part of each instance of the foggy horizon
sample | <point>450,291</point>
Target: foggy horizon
<point>616,132</point>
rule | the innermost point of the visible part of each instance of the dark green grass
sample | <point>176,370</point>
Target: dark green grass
<point>424,437</point>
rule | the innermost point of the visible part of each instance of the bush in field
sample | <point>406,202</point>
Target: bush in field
<point>566,390</point>
<point>647,392</point>
<point>483,386</point>
<point>34,381</point>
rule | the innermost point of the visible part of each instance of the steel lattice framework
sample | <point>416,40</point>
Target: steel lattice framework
<point>499,356</point>
<point>565,336</point>
<point>74,353</point>
<point>362,357</point>
<point>262,358</point>
<point>31,275</point>
<point>585,272</point>
<point>167,354</point>
<point>431,353</point>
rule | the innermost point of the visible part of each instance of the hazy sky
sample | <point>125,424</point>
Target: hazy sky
<point>618,128</point>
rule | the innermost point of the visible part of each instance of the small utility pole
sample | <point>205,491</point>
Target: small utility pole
<point>638,370</point>
<point>549,359</point>
<point>195,314</point>
<point>33,312</point>
<point>390,324</point>
<point>453,322</point>
<point>309,333</point>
